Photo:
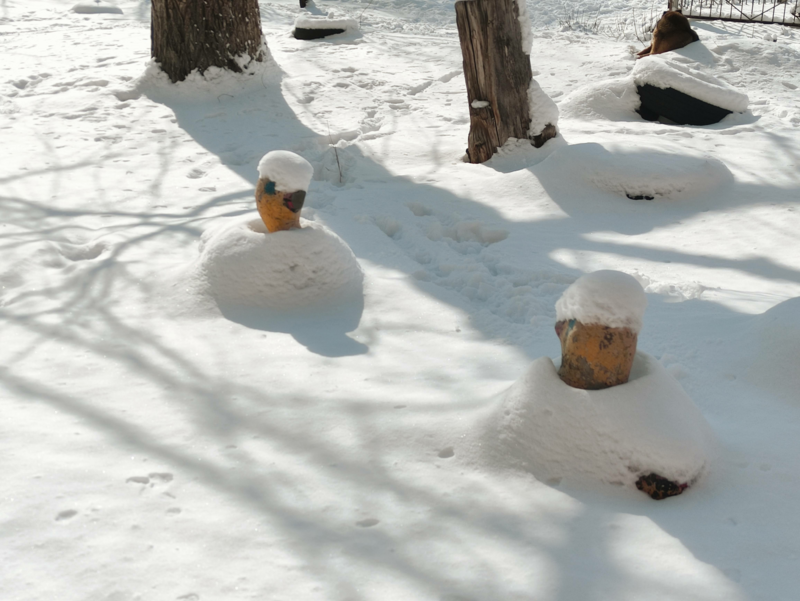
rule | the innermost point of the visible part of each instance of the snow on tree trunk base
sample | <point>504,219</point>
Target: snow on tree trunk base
<point>595,356</point>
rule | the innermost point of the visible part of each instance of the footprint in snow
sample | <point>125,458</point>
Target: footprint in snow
<point>66,515</point>
<point>446,453</point>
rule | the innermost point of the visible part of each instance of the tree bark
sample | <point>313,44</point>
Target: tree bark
<point>497,72</point>
<point>198,34</point>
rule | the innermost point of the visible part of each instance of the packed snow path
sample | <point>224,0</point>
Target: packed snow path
<point>151,448</point>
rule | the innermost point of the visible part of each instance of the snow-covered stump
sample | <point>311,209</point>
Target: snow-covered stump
<point>505,101</point>
<point>281,189</point>
<point>250,270</point>
<point>595,356</point>
<point>598,321</point>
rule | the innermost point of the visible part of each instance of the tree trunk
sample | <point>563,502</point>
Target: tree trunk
<point>193,34</point>
<point>498,75</point>
<point>594,356</point>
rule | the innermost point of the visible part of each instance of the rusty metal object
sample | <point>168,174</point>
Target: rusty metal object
<point>277,209</point>
<point>595,356</point>
<point>659,488</point>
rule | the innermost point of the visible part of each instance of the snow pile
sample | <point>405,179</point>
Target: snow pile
<point>97,7</point>
<point>243,265</point>
<point>774,339</point>
<point>612,99</point>
<point>682,73</point>
<point>325,22</point>
<point>648,425</point>
<point>640,171</point>
<point>288,170</point>
<point>606,297</point>
<point>212,84</point>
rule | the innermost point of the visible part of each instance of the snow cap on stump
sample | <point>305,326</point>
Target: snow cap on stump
<point>610,298</point>
<point>288,170</point>
<point>598,322</point>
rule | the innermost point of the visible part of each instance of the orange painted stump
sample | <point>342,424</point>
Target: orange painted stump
<point>281,189</point>
<point>278,210</point>
<point>595,356</point>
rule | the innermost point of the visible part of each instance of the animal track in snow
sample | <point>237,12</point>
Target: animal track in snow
<point>152,478</point>
<point>84,252</point>
<point>368,523</point>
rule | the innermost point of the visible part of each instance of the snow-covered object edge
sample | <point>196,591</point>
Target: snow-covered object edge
<point>93,8</point>
<point>321,22</point>
<point>606,297</point>
<point>542,108</point>
<point>664,71</point>
<point>288,170</point>
<point>616,435</point>
<point>242,265</point>
<point>525,26</point>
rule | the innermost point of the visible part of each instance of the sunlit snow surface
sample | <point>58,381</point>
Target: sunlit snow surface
<point>157,443</point>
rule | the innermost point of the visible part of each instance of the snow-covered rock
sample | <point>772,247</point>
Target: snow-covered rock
<point>243,265</point>
<point>648,425</point>
<point>288,170</point>
<point>607,297</point>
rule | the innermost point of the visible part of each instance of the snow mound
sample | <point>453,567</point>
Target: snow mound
<point>648,425</point>
<point>606,297</point>
<point>288,170</point>
<point>775,342</point>
<point>243,265</point>
<point>640,171</point>
<point>612,99</point>
<point>87,8</point>
<point>323,22</point>
<point>682,73</point>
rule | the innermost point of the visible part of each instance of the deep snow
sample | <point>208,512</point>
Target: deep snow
<point>158,445</point>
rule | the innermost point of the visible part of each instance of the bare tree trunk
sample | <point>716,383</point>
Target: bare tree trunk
<point>498,75</point>
<point>198,34</point>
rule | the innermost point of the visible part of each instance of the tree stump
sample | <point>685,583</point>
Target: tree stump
<point>594,356</point>
<point>498,75</point>
<point>197,35</point>
<point>278,210</point>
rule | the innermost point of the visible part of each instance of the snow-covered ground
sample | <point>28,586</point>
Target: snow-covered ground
<point>156,446</point>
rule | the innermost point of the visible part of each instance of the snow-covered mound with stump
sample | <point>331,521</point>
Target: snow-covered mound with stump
<point>615,436</point>
<point>243,265</point>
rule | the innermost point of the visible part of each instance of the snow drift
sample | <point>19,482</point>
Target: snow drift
<point>243,265</point>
